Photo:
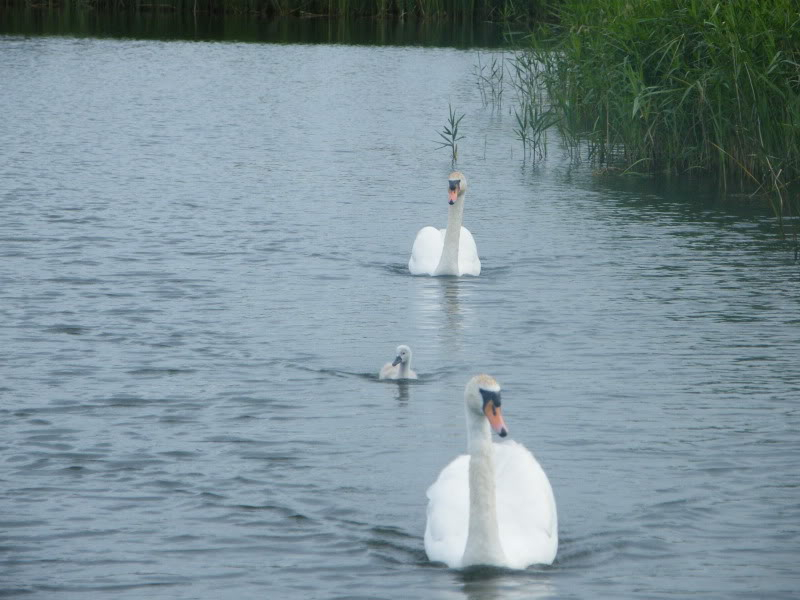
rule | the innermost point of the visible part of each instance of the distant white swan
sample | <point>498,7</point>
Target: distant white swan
<point>450,251</point>
<point>494,506</point>
<point>400,367</point>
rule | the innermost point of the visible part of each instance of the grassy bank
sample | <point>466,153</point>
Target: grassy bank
<point>680,86</point>
<point>424,10</point>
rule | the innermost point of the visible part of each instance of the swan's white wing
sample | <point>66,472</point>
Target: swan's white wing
<point>426,252</point>
<point>389,371</point>
<point>468,261</point>
<point>526,508</point>
<point>448,514</point>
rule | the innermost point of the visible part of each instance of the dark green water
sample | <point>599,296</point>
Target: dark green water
<point>168,25</point>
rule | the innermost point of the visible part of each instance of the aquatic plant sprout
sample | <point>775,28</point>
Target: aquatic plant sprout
<point>450,136</point>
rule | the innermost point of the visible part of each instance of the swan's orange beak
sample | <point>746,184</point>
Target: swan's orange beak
<point>452,196</point>
<point>495,416</point>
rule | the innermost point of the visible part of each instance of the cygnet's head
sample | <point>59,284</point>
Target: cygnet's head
<point>403,355</point>
<point>482,397</point>
<point>457,185</point>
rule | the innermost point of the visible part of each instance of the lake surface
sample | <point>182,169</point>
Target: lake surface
<point>203,253</point>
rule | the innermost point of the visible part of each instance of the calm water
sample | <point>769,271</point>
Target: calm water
<point>202,269</point>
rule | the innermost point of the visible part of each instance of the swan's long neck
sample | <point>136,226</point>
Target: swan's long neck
<point>483,539</point>
<point>403,369</point>
<point>448,263</point>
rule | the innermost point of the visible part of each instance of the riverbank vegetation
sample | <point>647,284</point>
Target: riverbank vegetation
<point>679,86</point>
<point>419,10</point>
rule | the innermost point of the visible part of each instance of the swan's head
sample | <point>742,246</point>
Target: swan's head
<point>403,355</point>
<point>457,185</point>
<point>482,397</point>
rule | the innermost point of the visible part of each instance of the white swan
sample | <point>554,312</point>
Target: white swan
<point>450,251</point>
<point>494,506</point>
<point>400,367</point>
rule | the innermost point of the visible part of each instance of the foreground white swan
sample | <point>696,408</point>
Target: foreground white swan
<point>494,506</point>
<point>450,251</point>
<point>400,367</point>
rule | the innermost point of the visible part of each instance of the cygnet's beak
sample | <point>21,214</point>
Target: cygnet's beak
<point>495,416</point>
<point>453,191</point>
<point>397,361</point>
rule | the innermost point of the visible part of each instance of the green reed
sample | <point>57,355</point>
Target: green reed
<point>680,86</point>
<point>519,71</point>
<point>490,79</point>
<point>450,136</point>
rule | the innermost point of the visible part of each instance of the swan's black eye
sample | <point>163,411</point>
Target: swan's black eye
<point>453,183</point>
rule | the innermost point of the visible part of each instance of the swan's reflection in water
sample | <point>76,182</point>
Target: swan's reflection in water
<point>484,583</point>
<point>442,305</point>
<point>402,392</point>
